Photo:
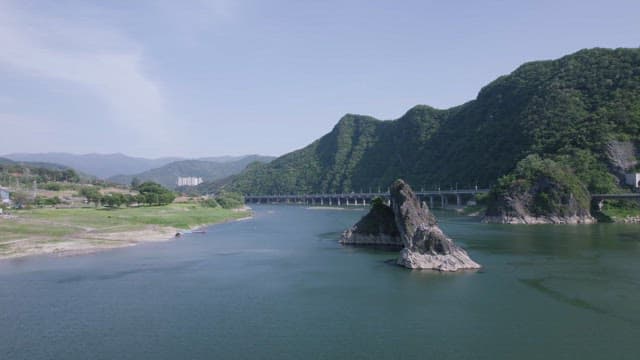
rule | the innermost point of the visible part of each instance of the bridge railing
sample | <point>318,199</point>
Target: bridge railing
<point>367,195</point>
<point>615,196</point>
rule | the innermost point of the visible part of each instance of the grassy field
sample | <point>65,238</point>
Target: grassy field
<point>620,213</point>
<point>34,231</point>
<point>619,210</point>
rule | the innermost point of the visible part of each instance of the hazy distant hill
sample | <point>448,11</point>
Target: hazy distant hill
<point>100,165</point>
<point>224,158</point>
<point>34,164</point>
<point>27,171</point>
<point>572,110</point>
<point>206,169</point>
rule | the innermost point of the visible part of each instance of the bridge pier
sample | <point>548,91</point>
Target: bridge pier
<point>360,199</point>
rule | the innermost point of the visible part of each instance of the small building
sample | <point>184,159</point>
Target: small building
<point>4,196</point>
<point>189,181</point>
<point>632,179</point>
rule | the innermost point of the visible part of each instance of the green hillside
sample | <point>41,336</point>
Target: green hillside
<point>26,172</point>
<point>571,109</point>
<point>168,174</point>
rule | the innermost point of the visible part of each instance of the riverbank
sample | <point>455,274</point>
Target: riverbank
<point>87,230</point>
<point>621,212</point>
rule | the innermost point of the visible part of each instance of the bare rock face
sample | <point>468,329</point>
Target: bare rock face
<point>377,229</point>
<point>410,226</point>
<point>621,156</point>
<point>523,206</point>
<point>425,245</point>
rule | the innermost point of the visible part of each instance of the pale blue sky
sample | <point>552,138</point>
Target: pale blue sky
<point>197,78</point>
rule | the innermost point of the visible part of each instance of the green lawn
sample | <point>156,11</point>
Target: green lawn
<point>620,213</point>
<point>57,223</point>
<point>615,210</point>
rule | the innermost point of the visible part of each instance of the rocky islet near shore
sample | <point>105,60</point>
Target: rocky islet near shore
<point>409,226</point>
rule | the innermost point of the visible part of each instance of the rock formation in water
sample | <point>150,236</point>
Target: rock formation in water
<point>424,245</point>
<point>539,191</point>
<point>520,206</point>
<point>377,228</point>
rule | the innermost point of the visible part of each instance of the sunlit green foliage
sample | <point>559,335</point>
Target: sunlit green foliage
<point>553,186</point>
<point>155,194</point>
<point>210,202</point>
<point>230,200</point>
<point>25,173</point>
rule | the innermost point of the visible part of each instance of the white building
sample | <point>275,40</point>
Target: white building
<point>4,196</point>
<point>632,179</point>
<point>189,181</point>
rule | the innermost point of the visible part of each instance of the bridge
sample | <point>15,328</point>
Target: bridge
<point>440,197</point>
<point>433,198</point>
<point>625,196</point>
<point>598,199</point>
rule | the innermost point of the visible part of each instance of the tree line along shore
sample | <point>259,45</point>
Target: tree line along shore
<point>72,217</point>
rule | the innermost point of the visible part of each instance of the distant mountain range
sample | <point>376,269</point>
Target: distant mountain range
<point>33,164</point>
<point>100,165</point>
<point>109,165</point>
<point>209,170</point>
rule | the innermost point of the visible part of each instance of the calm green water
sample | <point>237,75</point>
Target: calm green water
<point>281,287</point>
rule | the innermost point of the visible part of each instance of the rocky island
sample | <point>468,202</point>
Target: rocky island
<point>410,227</point>
<point>539,191</point>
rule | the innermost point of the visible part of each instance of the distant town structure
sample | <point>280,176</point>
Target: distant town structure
<point>189,181</point>
<point>632,179</point>
<point>4,196</point>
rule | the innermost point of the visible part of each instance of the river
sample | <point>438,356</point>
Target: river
<point>279,286</point>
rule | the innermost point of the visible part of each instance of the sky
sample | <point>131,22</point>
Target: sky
<point>197,78</point>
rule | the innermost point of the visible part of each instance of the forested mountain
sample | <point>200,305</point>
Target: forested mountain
<point>572,109</point>
<point>206,169</point>
<point>25,172</point>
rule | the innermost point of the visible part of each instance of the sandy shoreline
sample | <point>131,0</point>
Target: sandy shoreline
<point>88,241</point>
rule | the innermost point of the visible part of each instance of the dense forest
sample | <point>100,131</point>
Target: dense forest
<point>12,171</point>
<point>570,110</point>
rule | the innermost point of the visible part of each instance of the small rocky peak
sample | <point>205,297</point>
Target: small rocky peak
<point>424,245</point>
<point>410,214</point>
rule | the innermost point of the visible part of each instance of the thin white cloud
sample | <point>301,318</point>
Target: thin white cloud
<point>188,22</point>
<point>96,57</point>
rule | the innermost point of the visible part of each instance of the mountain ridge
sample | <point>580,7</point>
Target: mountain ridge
<point>107,165</point>
<point>167,174</point>
<point>570,107</point>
